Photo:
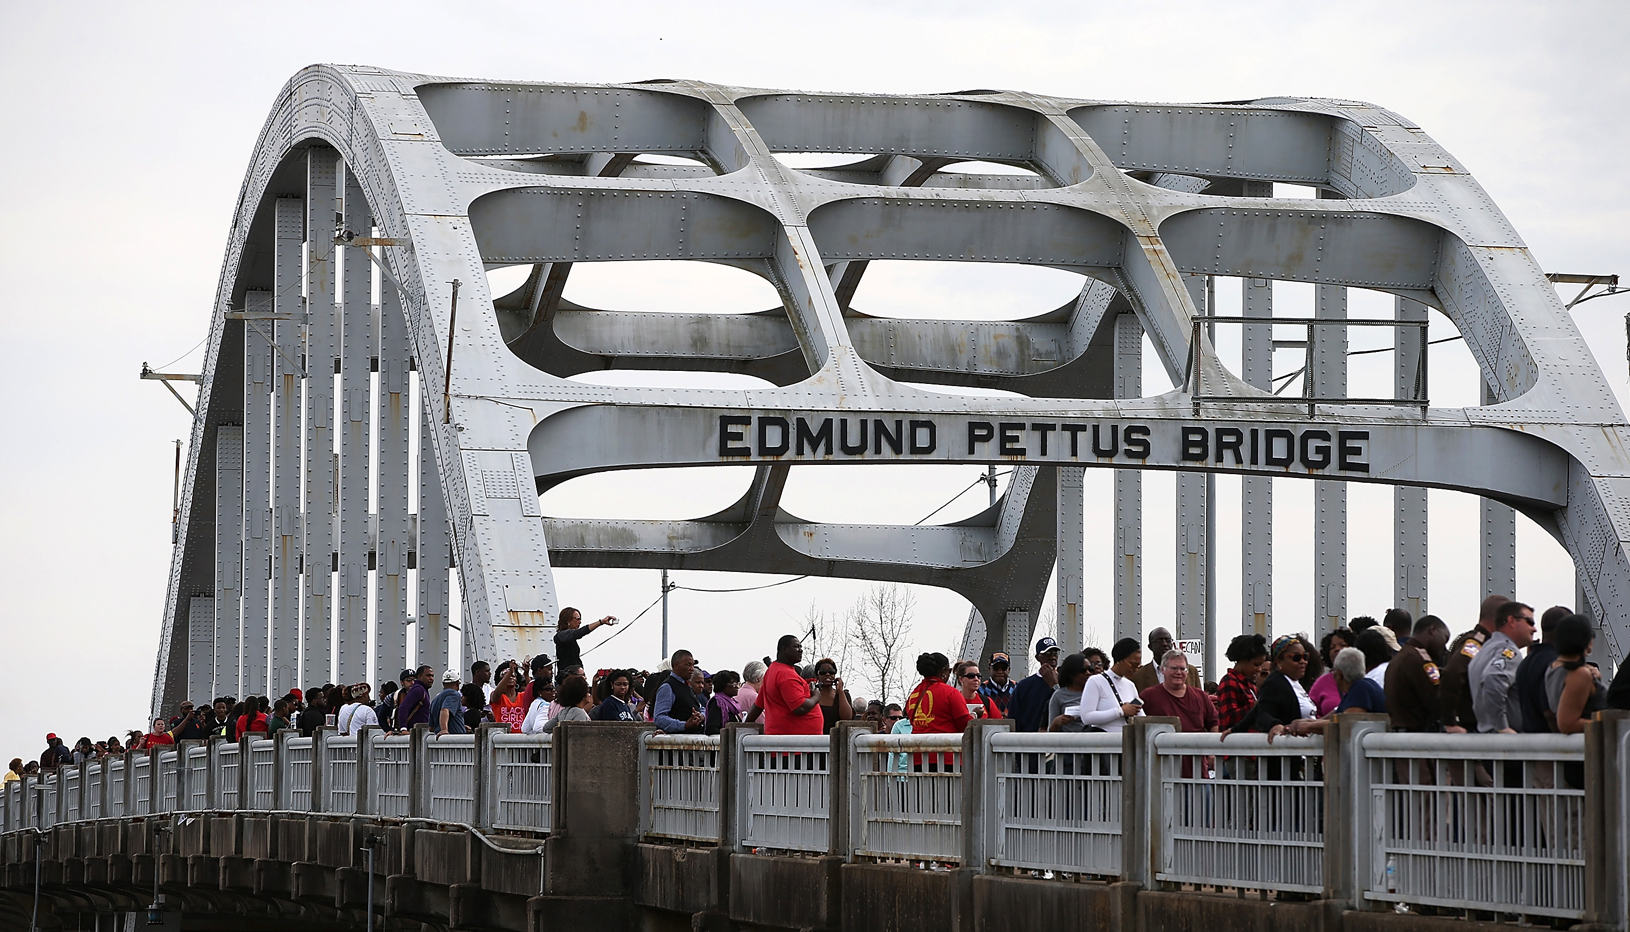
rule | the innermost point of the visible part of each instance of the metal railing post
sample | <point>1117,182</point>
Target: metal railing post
<point>732,782</point>
<point>365,765</point>
<point>838,781</point>
<point>84,790</point>
<point>851,788</point>
<point>1607,738</point>
<point>1141,789</point>
<point>644,782</point>
<point>418,780</point>
<point>319,763</point>
<point>1348,839</point>
<point>483,778</point>
<point>212,772</point>
<point>282,788</point>
<point>976,833</point>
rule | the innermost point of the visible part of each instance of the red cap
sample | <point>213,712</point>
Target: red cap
<point>51,737</point>
<point>297,694</point>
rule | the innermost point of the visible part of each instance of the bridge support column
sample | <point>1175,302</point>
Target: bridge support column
<point>1128,569</point>
<point>393,540</point>
<point>289,329</point>
<point>1328,358</point>
<point>322,356</point>
<point>1071,559</point>
<point>1409,504</point>
<point>358,342</point>
<point>1256,512</point>
<point>433,554</point>
<point>1498,541</point>
<point>259,355</point>
<point>228,556</point>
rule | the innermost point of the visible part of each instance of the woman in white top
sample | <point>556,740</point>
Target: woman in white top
<point>1110,700</point>
<point>358,713</point>
<point>575,700</point>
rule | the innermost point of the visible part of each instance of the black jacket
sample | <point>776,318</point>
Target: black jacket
<point>1276,704</point>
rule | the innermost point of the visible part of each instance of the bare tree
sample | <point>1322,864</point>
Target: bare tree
<point>827,637</point>
<point>879,634</point>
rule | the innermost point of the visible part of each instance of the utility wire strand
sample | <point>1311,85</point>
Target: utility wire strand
<point>958,495</point>
<point>182,356</point>
<point>744,588</point>
<point>625,628</point>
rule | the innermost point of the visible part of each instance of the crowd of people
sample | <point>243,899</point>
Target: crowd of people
<point>1508,673</point>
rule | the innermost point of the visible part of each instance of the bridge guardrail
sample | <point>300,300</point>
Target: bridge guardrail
<point>786,792</point>
<point>681,786</point>
<point>909,800</point>
<point>1477,821</point>
<point>450,778</point>
<point>521,782</point>
<point>1530,825</point>
<point>1242,812</point>
<point>1057,802</point>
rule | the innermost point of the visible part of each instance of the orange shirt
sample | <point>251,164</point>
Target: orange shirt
<point>510,711</point>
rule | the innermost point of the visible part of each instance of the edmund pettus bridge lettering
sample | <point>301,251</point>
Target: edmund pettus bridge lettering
<point>1309,449</point>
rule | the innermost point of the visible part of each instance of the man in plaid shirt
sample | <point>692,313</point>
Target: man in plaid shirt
<point>998,689</point>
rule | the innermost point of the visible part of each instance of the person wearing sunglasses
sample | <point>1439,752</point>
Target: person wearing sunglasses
<point>1281,700</point>
<point>1493,672</point>
<point>968,680</point>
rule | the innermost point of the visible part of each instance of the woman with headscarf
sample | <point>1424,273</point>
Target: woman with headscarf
<point>1281,700</point>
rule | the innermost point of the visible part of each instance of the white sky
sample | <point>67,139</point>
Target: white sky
<point>129,127</point>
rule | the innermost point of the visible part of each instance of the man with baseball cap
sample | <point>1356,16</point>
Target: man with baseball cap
<point>998,690</point>
<point>1028,707</point>
<point>55,753</point>
<point>447,709</point>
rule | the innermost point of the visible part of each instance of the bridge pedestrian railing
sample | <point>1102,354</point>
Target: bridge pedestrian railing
<point>1478,822</point>
<point>1056,803</point>
<point>786,792</point>
<point>681,787</point>
<point>1525,825</point>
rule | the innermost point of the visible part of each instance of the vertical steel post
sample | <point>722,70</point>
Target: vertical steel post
<point>664,614</point>
<point>1071,555</point>
<point>258,356</point>
<point>1328,359</point>
<point>322,359</point>
<point>290,304</point>
<point>434,553</point>
<point>228,556</point>
<point>1128,569</point>
<point>1256,507</point>
<point>390,639</point>
<point>201,648</point>
<point>1498,540</point>
<point>1195,608</point>
<point>1409,507</point>
<point>357,349</point>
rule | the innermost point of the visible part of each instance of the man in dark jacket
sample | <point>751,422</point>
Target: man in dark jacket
<point>1028,708</point>
<point>1530,681</point>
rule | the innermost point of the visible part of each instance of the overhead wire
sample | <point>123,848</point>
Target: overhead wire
<point>625,627</point>
<point>172,362</point>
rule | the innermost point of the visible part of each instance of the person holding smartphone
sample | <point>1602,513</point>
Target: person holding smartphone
<point>1110,700</point>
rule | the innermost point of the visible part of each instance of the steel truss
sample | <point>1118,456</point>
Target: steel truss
<point>436,180</point>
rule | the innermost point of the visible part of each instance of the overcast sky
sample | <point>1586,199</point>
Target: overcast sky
<point>129,128</point>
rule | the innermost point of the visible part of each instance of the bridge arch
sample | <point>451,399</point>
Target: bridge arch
<point>433,180</point>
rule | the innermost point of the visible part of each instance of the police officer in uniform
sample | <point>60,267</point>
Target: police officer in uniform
<point>1454,692</point>
<point>1493,671</point>
<point>1413,677</point>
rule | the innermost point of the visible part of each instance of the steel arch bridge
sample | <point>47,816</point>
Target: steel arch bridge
<point>279,553</point>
